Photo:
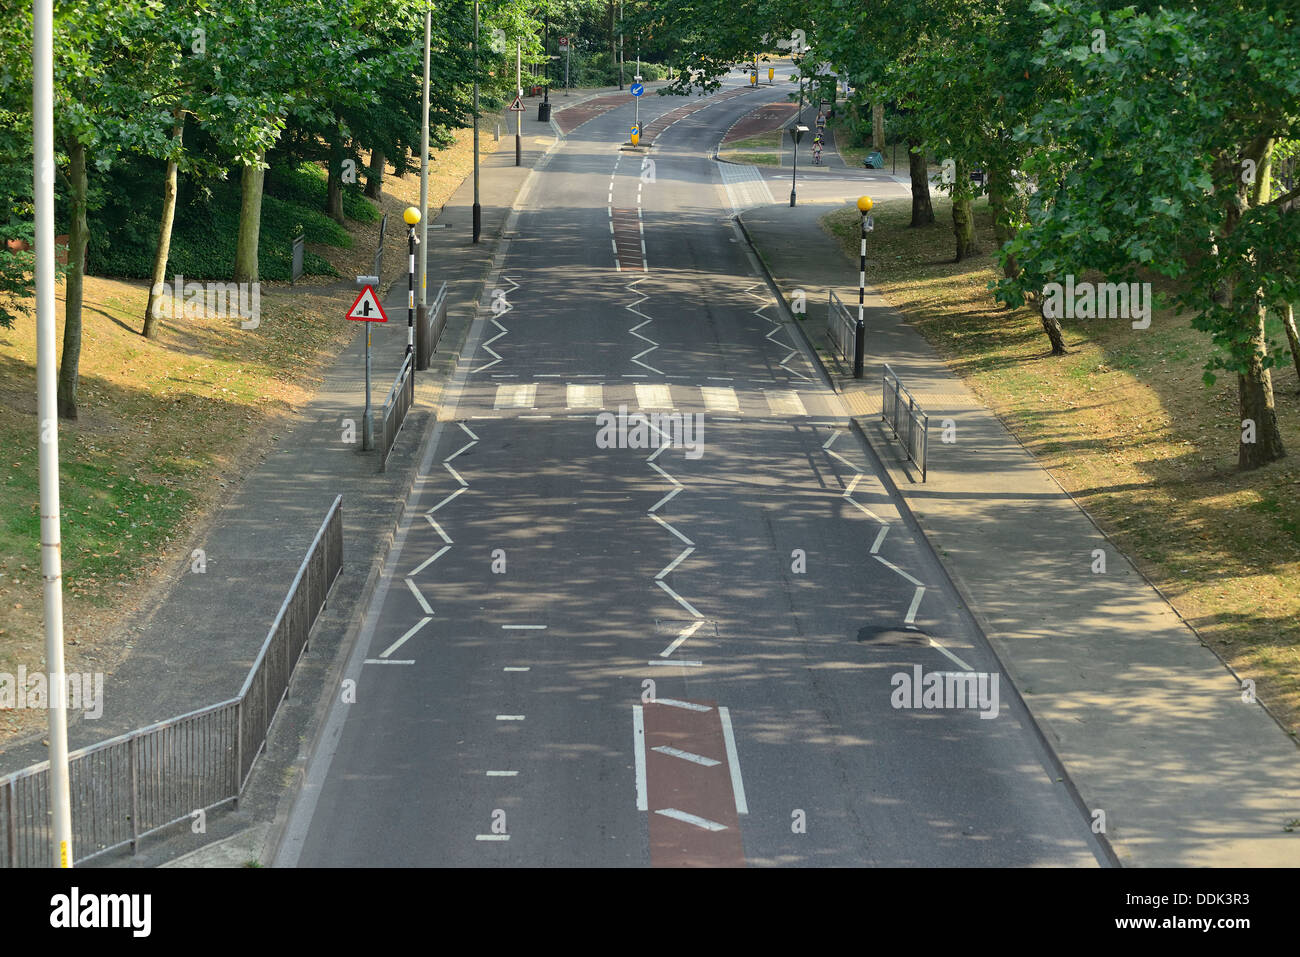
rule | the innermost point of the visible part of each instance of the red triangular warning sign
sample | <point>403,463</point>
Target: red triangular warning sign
<point>517,106</point>
<point>367,307</point>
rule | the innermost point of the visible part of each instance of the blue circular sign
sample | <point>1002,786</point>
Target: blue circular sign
<point>637,89</point>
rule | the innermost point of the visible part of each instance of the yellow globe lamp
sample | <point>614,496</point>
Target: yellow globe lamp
<point>412,215</point>
<point>864,204</point>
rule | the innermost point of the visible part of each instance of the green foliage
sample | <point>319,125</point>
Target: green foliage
<point>123,235</point>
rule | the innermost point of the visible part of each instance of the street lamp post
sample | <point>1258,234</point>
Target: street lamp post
<point>423,265</point>
<point>519,114</point>
<point>478,209</point>
<point>60,806</point>
<point>794,135</point>
<point>620,44</point>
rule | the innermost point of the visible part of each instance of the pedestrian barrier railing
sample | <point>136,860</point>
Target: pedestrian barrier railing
<point>398,402</point>
<point>429,333</point>
<point>133,785</point>
<point>845,334</point>
<point>910,425</point>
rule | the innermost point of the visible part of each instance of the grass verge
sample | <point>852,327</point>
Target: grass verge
<point>1126,425</point>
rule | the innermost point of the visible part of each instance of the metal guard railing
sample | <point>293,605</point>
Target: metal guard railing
<point>909,423</point>
<point>130,786</point>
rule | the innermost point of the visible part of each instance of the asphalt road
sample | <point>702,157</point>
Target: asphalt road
<point>607,656</point>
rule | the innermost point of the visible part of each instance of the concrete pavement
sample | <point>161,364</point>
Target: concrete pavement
<point>1150,724</point>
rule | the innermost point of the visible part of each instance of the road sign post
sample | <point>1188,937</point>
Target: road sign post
<point>366,308</point>
<point>519,94</point>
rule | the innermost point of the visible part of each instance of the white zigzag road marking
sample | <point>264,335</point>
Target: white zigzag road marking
<point>884,530</point>
<point>631,307</point>
<point>776,329</point>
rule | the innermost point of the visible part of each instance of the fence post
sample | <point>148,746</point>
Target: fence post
<point>133,750</point>
<point>11,825</point>
<point>239,749</point>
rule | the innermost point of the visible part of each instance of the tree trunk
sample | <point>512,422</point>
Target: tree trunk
<point>250,221</point>
<point>159,274</point>
<point>78,235</point>
<point>334,181</point>
<point>1293,339</point>
<point>1255,398</point>
<point>1003,200</point>
<point>922,211</point>
<point>375,174</point>
<point>963,216</point>
<point>1052,326</point>
<point>878,127</point>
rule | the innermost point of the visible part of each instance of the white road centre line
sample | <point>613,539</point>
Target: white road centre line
<point>677,663</point>
<point>510,717</point>
<point>678,598</point>
<point>638,750</point>
<point>448,498</point>
<point>430,560</point>
<point>687,705</point>
<point>674,563</point>
<point>685,633</point>
<point>388,661</point>
<point>502,774</point>
<point>437,528</point>
<point>686,756</point>
<point>880,539</point>
<point>401,641</point>
<point>523,627</point>
<point>951,657</point>
<point>491,837</point>
<point>916,603</point>
<point>894,568</point>
<point>670,528</point>
<point>424,605</point>
<point>700,822</point>
<point>517,668</point>
<point>733,760</point>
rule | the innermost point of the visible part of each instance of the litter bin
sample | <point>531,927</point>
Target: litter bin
<point>543,112</point>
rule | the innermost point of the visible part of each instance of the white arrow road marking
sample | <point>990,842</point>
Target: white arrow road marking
<point>686,756</point>
<point>687,705</point>
<point>700,822</point>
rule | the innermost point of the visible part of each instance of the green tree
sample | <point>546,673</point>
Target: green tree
<point>1161,159</point>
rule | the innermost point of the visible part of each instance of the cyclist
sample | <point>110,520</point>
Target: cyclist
<point>817,150</point>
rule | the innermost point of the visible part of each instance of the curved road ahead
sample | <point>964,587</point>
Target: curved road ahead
<point>589,649</point>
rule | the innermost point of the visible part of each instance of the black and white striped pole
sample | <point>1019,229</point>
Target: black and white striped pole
<point>412,217</point>
<point>860,333</point>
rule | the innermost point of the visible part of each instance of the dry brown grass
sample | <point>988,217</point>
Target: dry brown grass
<point>167,429</point>
<point>1126,425</point>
